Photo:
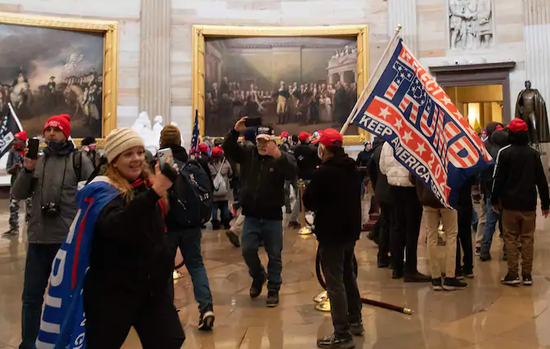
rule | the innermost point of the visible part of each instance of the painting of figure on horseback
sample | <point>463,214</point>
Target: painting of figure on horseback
<point>48,71</point>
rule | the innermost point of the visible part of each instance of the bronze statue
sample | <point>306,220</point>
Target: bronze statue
<point>531,108</point>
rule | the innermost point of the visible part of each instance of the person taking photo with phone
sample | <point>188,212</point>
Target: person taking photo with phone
<point>51,180</point>
<point>13,167</point>
<point>264,169</point>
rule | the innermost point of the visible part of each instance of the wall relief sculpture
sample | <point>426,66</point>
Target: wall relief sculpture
<point>470,24</point>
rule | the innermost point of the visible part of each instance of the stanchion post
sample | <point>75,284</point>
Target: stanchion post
<point>305,230</point>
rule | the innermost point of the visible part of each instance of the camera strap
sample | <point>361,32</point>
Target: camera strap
<point>58,200</point>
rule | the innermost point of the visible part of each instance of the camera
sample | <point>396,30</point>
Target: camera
<point>51,210</point>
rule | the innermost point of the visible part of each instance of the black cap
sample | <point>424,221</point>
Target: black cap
<point>266,132</point>
<point>88,141</point>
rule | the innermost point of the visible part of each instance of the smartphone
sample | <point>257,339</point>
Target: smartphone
<point>33,148</point>
<point>250,122</point>
<point>165,156</point>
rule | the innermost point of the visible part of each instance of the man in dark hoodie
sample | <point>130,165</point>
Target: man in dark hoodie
<point>498,138</point>
<point>188,240</point>
<point>334,195</point>
<point>384,198</point>
<point>518,175</point>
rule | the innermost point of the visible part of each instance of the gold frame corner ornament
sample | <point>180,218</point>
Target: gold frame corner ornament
<point>199,32</point>
<point>109,29</point>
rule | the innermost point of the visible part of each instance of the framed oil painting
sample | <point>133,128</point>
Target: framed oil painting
<point>59,66</point>
<point>295,78</point>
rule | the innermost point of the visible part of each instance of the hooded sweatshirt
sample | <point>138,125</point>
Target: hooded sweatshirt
<point>334,194</point>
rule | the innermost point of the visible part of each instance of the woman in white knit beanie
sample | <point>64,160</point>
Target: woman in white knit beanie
<point>130,265</point>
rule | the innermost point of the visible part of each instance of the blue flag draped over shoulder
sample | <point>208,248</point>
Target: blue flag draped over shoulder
<point>63,321</point>
<point>428,134</point>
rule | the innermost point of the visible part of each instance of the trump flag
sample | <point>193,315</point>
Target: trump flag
<point>428,134</point>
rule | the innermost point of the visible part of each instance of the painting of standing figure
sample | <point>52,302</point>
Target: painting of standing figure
<point>48,71</point>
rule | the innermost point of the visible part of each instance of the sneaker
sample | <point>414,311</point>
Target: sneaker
<point>510,280</point>
<point>356,329</point>
<point>468,274</point>
<point>452,284</point>
<point>527,280</point>
<point>11,232</point>
<point>256,287</point>
<point>437,285</point>
<point>233,238</point>
<point>417,277</point>
<point>272,299</point>
<point>484,257</point>
<point>206,320</point>
<point>294,225</point>
<point>478,251</point>
<point>332,342</point>
<point>458,275</point>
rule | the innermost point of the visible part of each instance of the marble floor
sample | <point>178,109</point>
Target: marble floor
<point>485,316</point>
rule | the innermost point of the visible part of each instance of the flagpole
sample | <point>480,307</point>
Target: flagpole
<point>370,82</point>
<point>15,117</point>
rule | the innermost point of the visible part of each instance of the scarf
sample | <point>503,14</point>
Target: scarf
<point>63,320</point>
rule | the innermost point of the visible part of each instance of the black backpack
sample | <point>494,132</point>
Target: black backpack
<point>190,197</point>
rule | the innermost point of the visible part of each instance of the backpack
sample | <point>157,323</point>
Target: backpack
<point>190,197</point>
<point>220,186</point>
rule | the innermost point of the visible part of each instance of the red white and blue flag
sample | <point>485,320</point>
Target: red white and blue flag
<point>429,135</point>
<point>194,147</point>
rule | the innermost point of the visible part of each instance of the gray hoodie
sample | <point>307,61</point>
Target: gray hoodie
<point>55,179</point>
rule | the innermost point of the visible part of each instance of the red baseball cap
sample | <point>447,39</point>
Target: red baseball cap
<point>22,136</point>
<point>330,136</point>
<point>203,147</point>
<point>217,151</point>
<point>304,136</point>
<point>284,134</point>
<point>517,125</point>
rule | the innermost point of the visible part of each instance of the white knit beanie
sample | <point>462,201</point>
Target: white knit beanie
<point>120,140</point>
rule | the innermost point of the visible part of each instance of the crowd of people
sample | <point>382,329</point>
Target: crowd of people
<point>153,208</point>
<point>306,103</point>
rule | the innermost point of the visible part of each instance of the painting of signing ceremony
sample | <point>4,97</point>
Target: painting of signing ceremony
<point>293,83</point>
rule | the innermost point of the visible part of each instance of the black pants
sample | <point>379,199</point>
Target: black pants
<point>345,301</point>
<point>384,232</point>
<point>405,219</point>
<point>111,312</point>
<point>464,239</point>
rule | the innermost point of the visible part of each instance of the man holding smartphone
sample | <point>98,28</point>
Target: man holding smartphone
<point>264,169</point>
<point>51,180</point>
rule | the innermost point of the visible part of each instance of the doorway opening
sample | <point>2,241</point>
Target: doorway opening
<point>479,104</point>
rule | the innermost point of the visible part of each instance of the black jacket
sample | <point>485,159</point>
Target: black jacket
<point>179,153</point>
<point>334,194</point>
<point>518,174</point>
<point>307,160</point>
<point>363,160</point>
<point>262,178</point>
<point>379,180</point>
<point>496,141</point>
<point>129,247</point>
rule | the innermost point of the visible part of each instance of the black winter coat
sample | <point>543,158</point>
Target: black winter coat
<point>518,174</point>
<point>379,180</point>
<point>334,194</point>
<point>129,247</point>
<point>363,159</point>
<point>307,160</point>
<point>262,178</point>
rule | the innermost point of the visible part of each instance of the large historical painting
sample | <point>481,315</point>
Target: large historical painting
<point>46,71</point>
<point>470,24</point>
<point>294,83</point>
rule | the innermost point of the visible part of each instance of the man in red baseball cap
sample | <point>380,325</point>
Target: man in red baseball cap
<point>13,167</point>
<point>51,181</point>
<point>518,174</point>
<point>334,194</point>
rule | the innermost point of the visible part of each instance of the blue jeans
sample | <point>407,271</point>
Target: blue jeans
<point>256,230</point>
<point>189,243</point>
<point>492,219</point>
<point>223,207</point>
<point>37,273</point>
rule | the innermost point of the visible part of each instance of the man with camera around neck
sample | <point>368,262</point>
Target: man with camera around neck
<point>264,169</point>
<point>51,180</point>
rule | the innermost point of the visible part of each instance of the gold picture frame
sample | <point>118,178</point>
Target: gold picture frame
<point>109,29</point>
<point>199,32</point>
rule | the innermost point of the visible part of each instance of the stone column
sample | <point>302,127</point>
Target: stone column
<point>404,12</point>
<point>154,74</point>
